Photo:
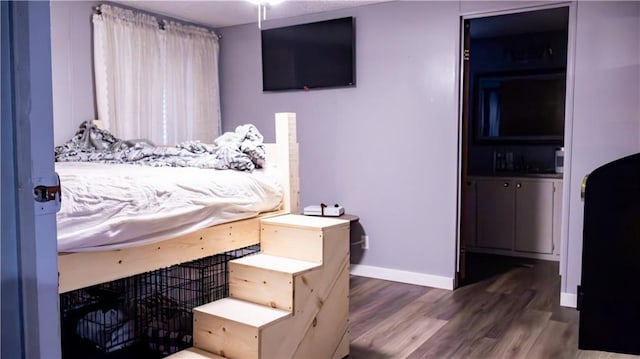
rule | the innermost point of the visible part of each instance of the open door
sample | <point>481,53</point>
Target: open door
<point>465,228</point>
<point>29,247</point>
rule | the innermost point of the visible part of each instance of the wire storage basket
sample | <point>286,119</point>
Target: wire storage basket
<point>148,315</point>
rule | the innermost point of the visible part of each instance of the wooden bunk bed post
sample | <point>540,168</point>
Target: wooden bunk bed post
<point>80,270</point>
<point>288,160</point>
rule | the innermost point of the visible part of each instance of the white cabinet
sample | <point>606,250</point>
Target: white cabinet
<point>534,217</point>
<point>468,220</point>
<point>514,216</point>
<point>495,214</point>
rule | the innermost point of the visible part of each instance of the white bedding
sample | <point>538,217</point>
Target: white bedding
<point>111,206</point>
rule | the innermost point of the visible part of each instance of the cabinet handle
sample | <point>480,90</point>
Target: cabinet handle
<point>506,184</point>
<point>518,185</point>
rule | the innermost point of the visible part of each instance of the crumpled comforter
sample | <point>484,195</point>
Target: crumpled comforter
<point>241,150</point>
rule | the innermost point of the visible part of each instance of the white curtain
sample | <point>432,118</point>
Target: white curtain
<point>128,72</point>
<point>192,99</point>
<point>155,84</point>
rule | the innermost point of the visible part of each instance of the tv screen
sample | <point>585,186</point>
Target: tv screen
<point>313,55</point>
<point>521,107</point>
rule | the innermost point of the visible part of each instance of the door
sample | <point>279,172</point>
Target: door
<point>9,264</point>
<point>534,216</point>
<point>495,214</point>
<point>468,224</point>
<point>34,237</point>
<point>466,232</point>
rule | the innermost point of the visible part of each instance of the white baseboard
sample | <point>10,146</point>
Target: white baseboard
<point>395,275</point>
<point>568,300</point>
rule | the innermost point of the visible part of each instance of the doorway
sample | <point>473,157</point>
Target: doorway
<point>514,73</point>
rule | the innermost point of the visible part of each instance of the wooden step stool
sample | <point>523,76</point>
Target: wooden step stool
<point>289,301</point>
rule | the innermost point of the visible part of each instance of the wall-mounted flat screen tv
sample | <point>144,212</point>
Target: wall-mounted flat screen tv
<point>520,107</point>
<point>314,55</point>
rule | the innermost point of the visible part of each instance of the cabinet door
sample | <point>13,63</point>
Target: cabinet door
<point>468,228</point>
<point>557,215</point>
<point>534,216</point>
<point>495,214</point>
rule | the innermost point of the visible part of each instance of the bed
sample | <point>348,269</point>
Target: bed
<point>207,231</point>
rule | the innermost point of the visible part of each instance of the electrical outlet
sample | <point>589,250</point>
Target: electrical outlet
<point>364,244</point>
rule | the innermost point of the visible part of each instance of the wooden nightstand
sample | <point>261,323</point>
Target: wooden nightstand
<point>349,217</point>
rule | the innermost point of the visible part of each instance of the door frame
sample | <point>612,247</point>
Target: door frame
<point>568,127</point>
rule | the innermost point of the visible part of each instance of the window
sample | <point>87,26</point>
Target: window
<point>155,83</point>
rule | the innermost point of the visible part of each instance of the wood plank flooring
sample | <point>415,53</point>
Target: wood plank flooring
<point>509,309</point>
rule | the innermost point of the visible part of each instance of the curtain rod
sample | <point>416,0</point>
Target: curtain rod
<point>98,11</point>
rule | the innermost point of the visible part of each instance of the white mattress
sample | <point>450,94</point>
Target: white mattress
<point>111,206</point>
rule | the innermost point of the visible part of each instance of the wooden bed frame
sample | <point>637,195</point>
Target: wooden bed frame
<point>79,270</point>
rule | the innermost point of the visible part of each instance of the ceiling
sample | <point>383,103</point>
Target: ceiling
<point>221,13</point>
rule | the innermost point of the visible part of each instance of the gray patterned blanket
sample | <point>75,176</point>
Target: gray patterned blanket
<point>241,150</point>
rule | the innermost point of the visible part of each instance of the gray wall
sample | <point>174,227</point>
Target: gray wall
<point>72,66</point>
<point>387,149</point>
<point>406,103</point>
<point>606,118</point>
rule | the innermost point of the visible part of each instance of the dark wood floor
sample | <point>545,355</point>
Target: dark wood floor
<point>508,309</point>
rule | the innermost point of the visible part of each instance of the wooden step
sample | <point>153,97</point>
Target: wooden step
<point>232,328</point>
<point>265,279</point>
<point>300,221</point>
<point>275,263</point>
<point>300,237</point>
<point>193,353</point>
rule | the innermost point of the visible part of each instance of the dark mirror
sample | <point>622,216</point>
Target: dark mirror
<point>517,107</point>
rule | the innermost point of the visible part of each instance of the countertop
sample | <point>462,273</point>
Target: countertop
<point>519,175</point>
